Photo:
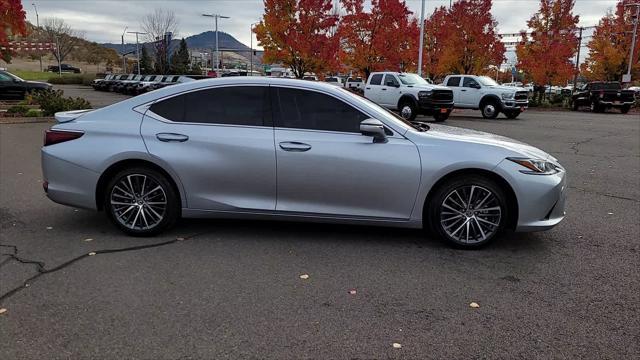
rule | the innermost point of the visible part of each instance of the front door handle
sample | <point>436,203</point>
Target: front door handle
<point>294,146</point>
<point>172,137</point>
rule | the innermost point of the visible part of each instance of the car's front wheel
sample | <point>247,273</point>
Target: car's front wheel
<point>439,117</point>
<point>625,109</point>
<point>512,114</point>
<point>468,212</point>
<point>141,201</point>
<point>490,109</point>
<point>408,110</point>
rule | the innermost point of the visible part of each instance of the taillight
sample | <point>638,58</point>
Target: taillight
<point>57,136</point>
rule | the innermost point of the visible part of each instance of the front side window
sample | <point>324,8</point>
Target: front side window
<point>237,105</point>
<point>470,83</point>
<point>391,80</point>
<point>453,81</point>
<point>6,78</point>
<point>376,79</point>
<point>304,109</point>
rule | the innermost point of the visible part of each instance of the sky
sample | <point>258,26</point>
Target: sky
<point>104,20</point>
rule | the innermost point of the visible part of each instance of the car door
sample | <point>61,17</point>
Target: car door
<point>326,167</point>
<point>454,84</point>
<point>373,88</point>
<point>219,141</point>
<point>470,92</point>
<point>10,88</point>
<point>390,91</point>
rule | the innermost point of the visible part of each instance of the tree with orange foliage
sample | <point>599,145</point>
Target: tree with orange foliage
<point>610,46</point>
<point>11,23</point>
<point>383,39</point>
<point>462,39</point>
<point>299,34</point>
<point>546,54</point>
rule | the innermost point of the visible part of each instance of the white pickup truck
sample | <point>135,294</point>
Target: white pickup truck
<point>484,94</point>
<point>409,94</point>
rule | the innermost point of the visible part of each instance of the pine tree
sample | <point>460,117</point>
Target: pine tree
<point>145,62</point>
<point>180,59</point>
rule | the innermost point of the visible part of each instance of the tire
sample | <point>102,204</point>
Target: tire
<point>154,213</point>
<point>595,107</point>
<point>512,114</point>
<point>408,110</point>
<point>449,222</point>
<point>490,109</point>
<point>440,117</point>
<point>625,109</point>
<point>574,106</point>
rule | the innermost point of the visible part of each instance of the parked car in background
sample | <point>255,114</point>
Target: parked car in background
<point>409,94</point>
<point>209,149</point>
<point>121,85</point>
<point>601,95</point>
<point>355,84</point>
<point>147,84</point>
<point>484,94</point>
<point>13,87</point>
<point>334,80</point>
<point>64,68</point>
<point>97,82</point>
<point>310,78</point>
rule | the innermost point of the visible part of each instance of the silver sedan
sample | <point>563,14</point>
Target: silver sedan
<point>297,150</point>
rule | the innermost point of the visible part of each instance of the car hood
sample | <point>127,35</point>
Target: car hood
<point>480,137</point>
<point>430,87</point>
<point>507,88</point>
<point>37,84</point>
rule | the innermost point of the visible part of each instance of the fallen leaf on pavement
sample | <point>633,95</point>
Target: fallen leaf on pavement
<point>3,310</point>
<point>304,276</point>
<point>474,305</point>
<point>92,253</point>
<point>87,240</point>
<point>180,239</point>
<point>610,213</point>
<point>397,345</point>
<point>49,227</point>
<point>352,292</point>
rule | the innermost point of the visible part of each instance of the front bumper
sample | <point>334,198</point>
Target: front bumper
<point>616,103</point>
<point>515,104</point>
<point>427,106</point>
<point>541,198</point>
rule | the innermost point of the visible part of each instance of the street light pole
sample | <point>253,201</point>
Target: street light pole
<point>421,39</point>
<point>137,46</point>
<point>124,58</point>
<point>216,16</point>
<point>251,48</point>
<point>38,25</point>
<point>633,41</point>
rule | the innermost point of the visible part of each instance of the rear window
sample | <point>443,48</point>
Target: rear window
<point>376,79</point>
<point>606,86</point>
<point>331,79</point>
<point>454,81</point>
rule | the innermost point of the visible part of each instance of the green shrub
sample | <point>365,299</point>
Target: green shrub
<point>33,113</point>
<point>52,101</point>
<point>18,110</point>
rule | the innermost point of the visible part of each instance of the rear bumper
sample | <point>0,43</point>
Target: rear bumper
<point>67,183</point>
<point>541,198</point>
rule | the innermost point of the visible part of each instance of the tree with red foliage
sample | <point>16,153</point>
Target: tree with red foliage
<point>546,54</point>
<point>12,23</point>
<point>610,46</point>
<point>383,39</point>
<point>462,39</point>
<point>299,34</point>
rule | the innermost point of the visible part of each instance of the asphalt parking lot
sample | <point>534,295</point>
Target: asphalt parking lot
<point>232,289</point>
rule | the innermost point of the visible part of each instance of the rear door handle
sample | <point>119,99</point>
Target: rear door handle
<point>294,146</point>
<point>172,137</point>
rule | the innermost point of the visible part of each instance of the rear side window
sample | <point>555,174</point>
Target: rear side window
<point>453,81</point>
<point>376,79</point>
<point>470,82</point>
<point>303,109</point>
<point>238,105</point>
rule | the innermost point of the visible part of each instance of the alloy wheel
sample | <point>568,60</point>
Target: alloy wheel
<point>470,214</point>
<point>138,202</point>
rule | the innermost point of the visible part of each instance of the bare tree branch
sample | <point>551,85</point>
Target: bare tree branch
<point>57,31</point>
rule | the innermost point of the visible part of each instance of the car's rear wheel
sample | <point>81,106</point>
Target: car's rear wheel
<point>141,201</point>
<point>468,212</point>
<point>439,117</point>
<point>490,109</point>
<point>408,110</point>
<point>595,107</point>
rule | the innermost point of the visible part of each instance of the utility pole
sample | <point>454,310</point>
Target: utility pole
<point>216,16</point>
<point>421,40</point>
<point>251,42</point>
<point>124,58</point>
<point>38,25</point>
<point>633,41</point>
<point>575,76</point>
<point>58,52</point>
<point>137,46</point>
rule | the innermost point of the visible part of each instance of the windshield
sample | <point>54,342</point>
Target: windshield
<point>487,81</point>
<point>331,79</point>
<point>606,86</point>
<point>412,79</point>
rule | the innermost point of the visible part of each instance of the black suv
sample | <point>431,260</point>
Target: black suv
<point>601,95</point>
<point>64,68</point>
<point>14,88</point>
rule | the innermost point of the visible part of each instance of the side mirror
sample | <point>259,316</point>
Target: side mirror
<point>375,128</point>
<point>476,86</point>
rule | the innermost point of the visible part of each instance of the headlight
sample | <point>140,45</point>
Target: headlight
<point>425,93</point>
<point>536,166</point>
<point>508,96</point>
